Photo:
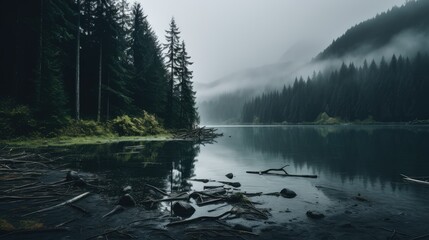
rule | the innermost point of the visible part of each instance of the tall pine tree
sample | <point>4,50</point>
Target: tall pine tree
<point>172,63</point>
<point>188,115</point>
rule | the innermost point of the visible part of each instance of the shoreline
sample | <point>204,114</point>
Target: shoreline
<point>84,140</point>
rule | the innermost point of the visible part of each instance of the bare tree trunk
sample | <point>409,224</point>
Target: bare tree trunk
<point>99,81</point>
<point>78,63</point>
<point>108,98</point>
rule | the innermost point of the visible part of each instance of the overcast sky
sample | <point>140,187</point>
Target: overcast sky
<point>224,36</point>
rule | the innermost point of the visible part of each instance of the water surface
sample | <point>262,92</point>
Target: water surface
<point>349,160</point>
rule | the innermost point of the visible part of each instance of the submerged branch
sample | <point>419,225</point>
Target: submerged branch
<point>282,169</point>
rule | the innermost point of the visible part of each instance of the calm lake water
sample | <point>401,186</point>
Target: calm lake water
<point>348,160</point>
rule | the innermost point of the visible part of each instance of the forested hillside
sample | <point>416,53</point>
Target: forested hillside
<point>379,31</point>
<point>390,91</point>
<point>91,59</point>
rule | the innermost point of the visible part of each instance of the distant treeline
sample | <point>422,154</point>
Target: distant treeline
<point>394,91</point>
<point>92,59</point>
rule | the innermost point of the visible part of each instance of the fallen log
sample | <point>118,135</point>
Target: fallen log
<point>200,219</point>
<point>232,184</point>
<point>282,169</point>
<point>23,197</point>
<point>59,205</point>
<point>414,180</point>
<point>116,209</point>
<point>201,180</point>
<point>157,189</point>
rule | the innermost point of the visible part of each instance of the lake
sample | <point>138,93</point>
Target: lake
<point>348,160</point>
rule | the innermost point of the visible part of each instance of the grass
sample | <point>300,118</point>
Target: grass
<point>86,140</point>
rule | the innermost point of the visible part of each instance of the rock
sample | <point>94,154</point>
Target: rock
<point>287,193</point>
<point>183,209</point>
<point>315,215</point>
<point>127,189</point>
<point>127,201</point>
<point>229,175</point>
<point>241,227</point>
<point>72,176</point>
<point>360,198</point>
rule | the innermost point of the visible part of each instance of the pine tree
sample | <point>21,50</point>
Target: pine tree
<point>188,115</point>
<point>56,30</point>
<point>149,69</point>
<point>172,63</point>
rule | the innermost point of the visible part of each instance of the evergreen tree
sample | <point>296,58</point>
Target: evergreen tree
<point>56,30</point>
<point>61,53</point>
<point>188,115</point>
<point>78,3</point>
<point>172,63</point>
<point>149,69</point>
<point>388,92</point>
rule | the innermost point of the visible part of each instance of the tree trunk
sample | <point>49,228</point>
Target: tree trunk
<point>39,83</point>
<point>108,98</point>
<point>99,80</point>
<point>78,63</point>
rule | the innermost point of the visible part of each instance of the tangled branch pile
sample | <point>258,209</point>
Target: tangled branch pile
<point>200,134</point>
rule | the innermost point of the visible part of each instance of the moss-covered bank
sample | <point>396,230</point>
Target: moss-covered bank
<point>29,133</point>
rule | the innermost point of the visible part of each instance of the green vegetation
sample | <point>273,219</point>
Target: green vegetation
<point>325,119</point>
<point>19,128</point>
<point>84,140</point>
<point>93,60</point>
<point>131,126</point>
<point>15,120</point>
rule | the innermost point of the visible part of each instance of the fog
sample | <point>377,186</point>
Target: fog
<point>225,37</point>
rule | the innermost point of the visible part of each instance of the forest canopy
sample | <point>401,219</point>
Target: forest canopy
<point>92,60</point>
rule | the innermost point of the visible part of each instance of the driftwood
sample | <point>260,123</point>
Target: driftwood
<point>24,197</point>
<point>157,189</point>
<point>232,184</point>
<point>117,209</point>
<point>200,219</point>
<point>59,205</point>
<point>420,237</point>
<point>414,180</point>
<point>201,180</point>
<point>282,169</point>
<point>201,134</point>
<point>171,199</point>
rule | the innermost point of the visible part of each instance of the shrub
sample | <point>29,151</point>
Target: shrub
<point>15,120</point>
<point>84,128</point>
<point>136,126</point>
<point>324,118</point>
